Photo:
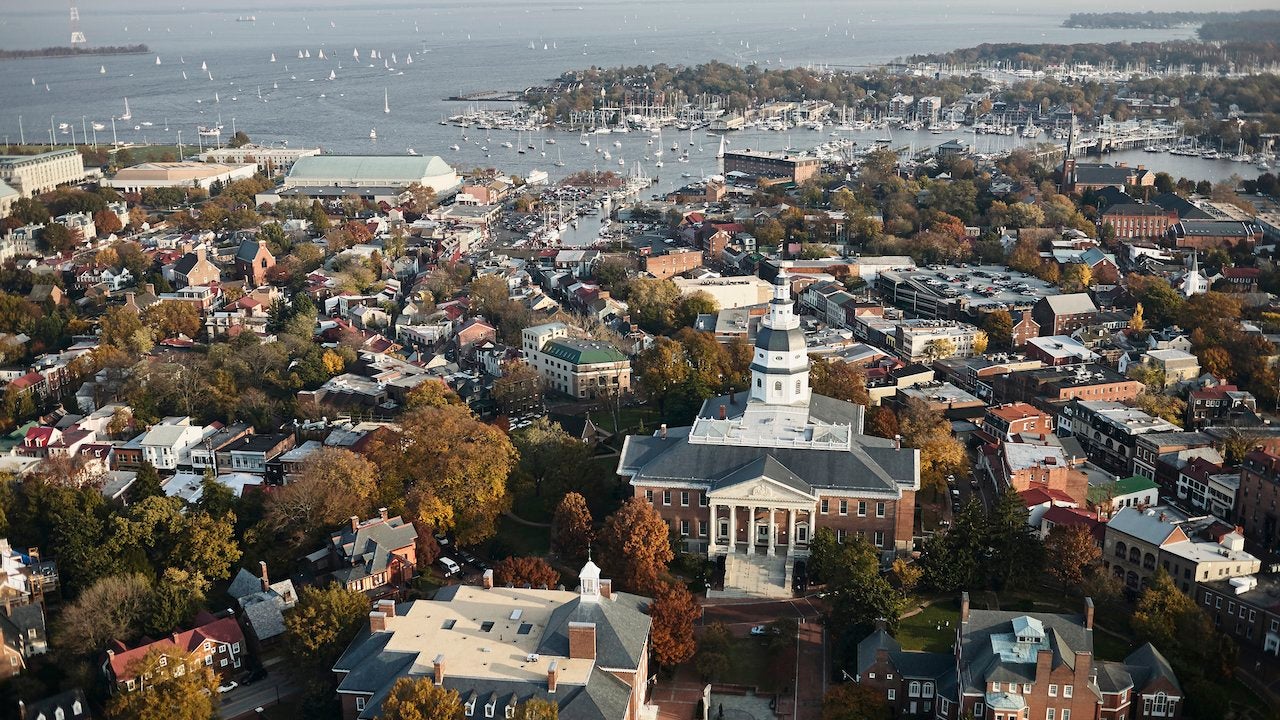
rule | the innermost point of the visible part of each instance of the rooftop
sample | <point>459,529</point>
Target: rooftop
<point>392,168</point>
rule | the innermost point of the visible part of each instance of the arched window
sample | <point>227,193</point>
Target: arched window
<point>1135,555</point>
<point>1131,580</point>
<point>797,387</point>
<point>1121,549</point>
<point>1149,561</point>
<point>777,386</point>
<point>914,690</point>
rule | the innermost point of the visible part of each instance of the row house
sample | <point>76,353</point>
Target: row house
<point>1108,431</point>
<point>1244,608</point>
<point>1257,502</point>
<point>1222,404</point>
<point>1055,385</point>
<point>1019,666</point>
<point>1160,456</point>
<point>1209,486</point>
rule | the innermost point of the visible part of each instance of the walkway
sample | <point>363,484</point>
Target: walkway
<point>754,576</point>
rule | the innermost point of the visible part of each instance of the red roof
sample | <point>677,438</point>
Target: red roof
<point>1216,392</point>
<point>31,379</point>
<point>731,228</point>
<point>226,630</point>
<point>1070,516</point>
<point>1242,272</point>
<point>39,436</point>
<point>1040,495</point>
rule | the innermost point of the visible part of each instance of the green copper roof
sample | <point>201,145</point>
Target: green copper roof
<point>1127,486</point>
<point>583,352</point>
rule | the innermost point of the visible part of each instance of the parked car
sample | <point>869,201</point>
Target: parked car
<point>228,687</point>
<point>764,630</point>
<point>450,567</point>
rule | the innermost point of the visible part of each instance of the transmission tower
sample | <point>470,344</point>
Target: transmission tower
<point>77,37</point>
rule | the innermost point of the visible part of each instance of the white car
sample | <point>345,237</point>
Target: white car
<point>228,687</point>
<point>763,630</point>
<point>450,567</point>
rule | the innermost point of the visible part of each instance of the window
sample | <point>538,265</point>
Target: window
<point>1050,714</point>
<point>893,694</point>
<point>862,508</point>
<point>222,662</point>
<point>684,498</point>
<point>844,507</point>
<point>777,386</point>
<point>666,497</point>
<point>648,496</point>
<point>914,689</point>
<point>840,534</point>
<point>824,507</point>
<point>208,659</point>
<point>879,509</point>
<point>359,703</point>
<point>164,660</point>
<point>944,705</point>
<point>928,689</point>
<point>702,528</point>
<point>1066,713</point>
<point>703,501</point>
<point>470,707</point>
<point>1066,693</point>
<point>878,538</point>
<point>235,647</point>
<point>488,709</point>
<point>684,528</point>
<point>1053,691</point>
<point>978,709</point>
<point>511,712</point>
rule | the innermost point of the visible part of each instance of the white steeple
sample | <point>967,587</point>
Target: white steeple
<point>780,366</point>
<point>589,581</point>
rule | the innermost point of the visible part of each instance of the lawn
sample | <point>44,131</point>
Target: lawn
<point>629,418</point>
<point>919,632</point>
<point>516,538</point>
<point>748,662</point>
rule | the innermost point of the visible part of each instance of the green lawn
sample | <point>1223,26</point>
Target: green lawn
<point>1109,647</point>
<point>520,540</point>
<point>748,662</point>
<point>919,632</point>
<point>629,418</point>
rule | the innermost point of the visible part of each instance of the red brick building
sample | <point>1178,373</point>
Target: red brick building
<point>216,643</point>
<point>376,556</point>
<point>1019,666</point>
<point>1133,220</point>
<point>1259,497</point>
<point>673,263</point>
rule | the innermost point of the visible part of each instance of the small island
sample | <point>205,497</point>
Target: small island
<point>73,51</point>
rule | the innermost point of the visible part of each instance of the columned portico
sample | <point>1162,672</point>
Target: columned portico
<point>768,530</point>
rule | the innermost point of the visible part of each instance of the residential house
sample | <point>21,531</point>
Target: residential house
<point>1178,366</point>
<point>1210,486</point>
<point>262,602</point>
<point>1108,431</point>
<point>376,556</point>
<point>1222,404</point>
<point>1107,499</point>
<point>1006,422</point>
<point>1258,502</point>
<point>252,453</point>
<point>168,444</point>
<point>1024,329</point>
<point>1140,542</point>
<point>1160,455</point>
<point>585,651</point>
<point>195,269</point>
<point>1012,665</point>
<point>217,643</point>
<point>69,705</point>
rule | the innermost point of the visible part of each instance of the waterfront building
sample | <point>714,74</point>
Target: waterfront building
<point>177,174</point>
<point>268,159</point>
<point>377,171</point>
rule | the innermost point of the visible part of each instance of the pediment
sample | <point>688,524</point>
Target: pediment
<point>763,489</point>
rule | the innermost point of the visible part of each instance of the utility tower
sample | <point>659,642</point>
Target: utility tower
<point>77,36</point>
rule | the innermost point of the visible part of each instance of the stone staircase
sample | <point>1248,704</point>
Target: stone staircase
<point>755,576</point>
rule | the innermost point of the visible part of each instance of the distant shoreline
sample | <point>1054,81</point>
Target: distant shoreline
<point>67,51</point>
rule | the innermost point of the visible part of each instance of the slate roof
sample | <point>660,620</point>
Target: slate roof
<point>1064,636</point>
<point>621,629</point>
<point>1147,658</point>
<point>17,623</point>
<point>367,551</point>
<point>248,250</point>
<point>68,702</point>
<point>910,664</point>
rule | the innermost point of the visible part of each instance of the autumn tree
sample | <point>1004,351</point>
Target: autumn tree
<point>536,708</point>
<point>1077,277</point>
<point>107,222</point>
<point>674,610</point>
<point>572,528</point>
<point>663,369</point>
<point>321,625</point>
<point>980,341</point>
<point>518,388</point>
<point>905,574</point>
<point>652,303</point>
<point>851,701</point>
<point>999,328</point>
<point>690,306</point>
<point>521,571</point>
<point>454,468</point>
<point>171,318</point>
<point>941,454</point>
<point>1169,619</point>
<point>431,393</point>
<point>1136,322</point>
<point>331,485</point>
<point>839,380</point>
<point>939,349</point>
<point>420,698</point>
<point>1070,552</point>
<point>167,694</point>
<point>635,545</point>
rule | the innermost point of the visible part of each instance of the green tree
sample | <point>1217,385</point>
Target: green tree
<point>852,701</point>
<point>690,306</point>
<point>146,484</point>
<point>652,303</point>
<point>663,370</point>
<point>57,238</point>
<point>421,699</point>
<point>1014,544</point>
<point>548,453</point>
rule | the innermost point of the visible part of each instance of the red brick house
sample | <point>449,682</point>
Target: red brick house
<point>375,556</point>
<point>253,261</point>
<point>195,269</point>
<point>1019,666</point>
<point>216,643</point>
<point>1025,329</point>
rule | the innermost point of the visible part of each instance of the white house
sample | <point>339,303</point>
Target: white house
<point>168,444</point>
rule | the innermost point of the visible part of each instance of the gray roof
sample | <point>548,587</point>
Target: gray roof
<point>367,551</point>
<point>622,627</point>
<point>1146,663</point>
<point>1136,523</point>
<point>248,250</point>
<point>1071,304</point>
<point>392,168</point>
<point>1064,636</point>
<point>766,467</point>
<point>779,341</point>
<point>66,701</point>
<point>911,664</point>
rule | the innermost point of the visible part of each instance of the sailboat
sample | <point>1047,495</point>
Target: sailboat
<point>333,75</point>
<point>321,56</point>
<point>393,58</point>
<point>157,59</point>
<point>273,57</point>
<point>204,66</point>
<point>102,70</point>
<point>408,59</point>
<point>386,101</point>
<point>355,54</point>
<point>127,115</point>
<point>184,74</point>
<point>559,159</point>
<point>373,134</point>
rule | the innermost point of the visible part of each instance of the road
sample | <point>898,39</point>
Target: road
<point>243,701</point>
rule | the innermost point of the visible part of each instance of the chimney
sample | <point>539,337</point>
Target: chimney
<point>355,523</point>
<point>724,412</point>
<point>266,579</point>
<point>382,513</point>
<point>151,288</point>
<point>662,431</point>
<point>174,637</point>
<point>387,607</point>
<point>606,589</point>
<point>1088,613</point>
<point>377,621</point>
<point>487,579</point>
<point>582,640</point>
<point>200,254</point>
<point>437,669</point>
<point>897,442</point>
<point>964,607</point>
<point>552,671</point>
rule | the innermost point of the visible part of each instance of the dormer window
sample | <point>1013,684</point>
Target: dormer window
<point>470,707</point>
<point>488,709</point>
<point>511,712</point>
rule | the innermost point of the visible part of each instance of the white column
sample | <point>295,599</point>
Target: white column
<point>715,528</point>
<point>733,527</point>
<point>751,538</point>
<point>773,529</point>
<point>791,531</point>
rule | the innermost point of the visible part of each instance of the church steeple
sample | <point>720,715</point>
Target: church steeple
<point>780,366</point>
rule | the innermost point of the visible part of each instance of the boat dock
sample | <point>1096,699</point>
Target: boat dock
<point>489,96</point>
